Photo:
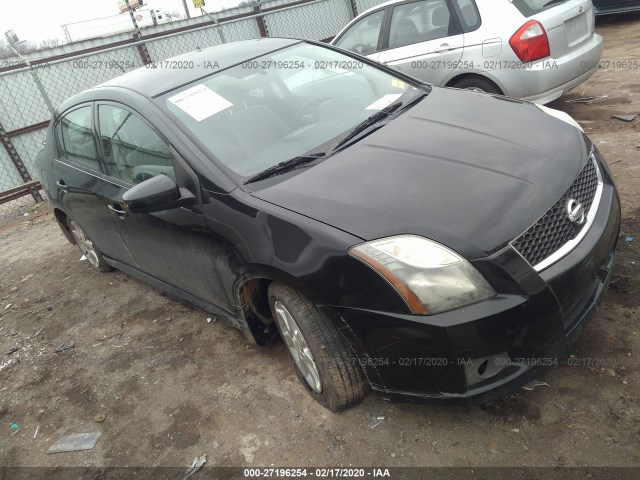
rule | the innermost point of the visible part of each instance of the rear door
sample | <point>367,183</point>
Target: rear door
<point>79,178</point>
<point>424,39</point>
<point>569,23</point>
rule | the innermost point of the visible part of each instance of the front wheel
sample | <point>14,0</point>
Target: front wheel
<point>89,250</point>
<point>323,360</point>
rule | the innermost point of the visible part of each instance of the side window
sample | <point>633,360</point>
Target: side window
<point>75,137</point>
<point>133,151</point>
<point>419,22</point>
<point>363,35</point>
<point>470,17</point>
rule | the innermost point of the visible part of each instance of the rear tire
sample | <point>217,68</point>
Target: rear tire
<point>478,84</point>
<point>93,255</point>
<point>323,360</point>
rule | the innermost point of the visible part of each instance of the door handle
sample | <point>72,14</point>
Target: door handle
<point>118,210</point>
<point>445,47</point>
<point>62,186</point>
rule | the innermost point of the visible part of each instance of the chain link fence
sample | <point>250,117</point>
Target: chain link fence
<point>364,5</point>
<point>29,92</point>
<point>161,49</point>
<point>9,177</point>
<point>317,21</point>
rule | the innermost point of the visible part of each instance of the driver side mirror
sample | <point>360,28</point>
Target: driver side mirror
<point>156,194</point>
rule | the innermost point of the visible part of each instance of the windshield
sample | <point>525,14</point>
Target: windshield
<point>283,105</point>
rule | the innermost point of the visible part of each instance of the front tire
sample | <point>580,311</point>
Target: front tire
<point>322,358</point>
<point>93,255</point>
<point>478,84</point>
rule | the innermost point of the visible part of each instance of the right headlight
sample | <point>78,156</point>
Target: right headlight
<point>430,277</point>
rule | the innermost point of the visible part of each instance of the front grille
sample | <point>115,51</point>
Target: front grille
<point>554,229</point>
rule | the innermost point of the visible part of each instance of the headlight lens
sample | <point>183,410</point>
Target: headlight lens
<point>429,276</point>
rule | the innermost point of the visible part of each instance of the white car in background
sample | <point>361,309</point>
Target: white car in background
<point>530,49</point>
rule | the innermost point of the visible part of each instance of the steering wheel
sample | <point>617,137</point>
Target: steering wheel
<point>142,176</point>
<point>302,109</point>
<point>361,49</point>
<point>297,132</point>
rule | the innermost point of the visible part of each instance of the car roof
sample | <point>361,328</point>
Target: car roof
<point>168,74</point>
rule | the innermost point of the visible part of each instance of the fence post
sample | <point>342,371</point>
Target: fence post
<point>215,21</point>
<point>353,8</point>
<point>142,48</point>
<point>66,33</point>
<point>17,161</point>
<point>36,79</point>
<point>262,27</point>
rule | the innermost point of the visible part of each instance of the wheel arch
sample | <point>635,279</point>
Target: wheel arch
<point>251,296</point>
<point>471,75</point>
<point>250,293</point>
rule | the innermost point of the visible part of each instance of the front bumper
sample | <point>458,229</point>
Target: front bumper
<point>522,331</point>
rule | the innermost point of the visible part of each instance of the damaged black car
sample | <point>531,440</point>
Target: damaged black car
<point>426,243</point>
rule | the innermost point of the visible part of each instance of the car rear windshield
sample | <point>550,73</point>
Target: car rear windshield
<point>531,7</point>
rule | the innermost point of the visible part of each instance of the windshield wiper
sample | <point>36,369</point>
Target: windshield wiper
<point>371,123</point>
<point>356,131</point>
<point>285,166</point>
<point>359,130</point>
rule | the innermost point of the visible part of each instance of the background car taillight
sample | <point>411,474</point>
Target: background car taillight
<point>530,42</point>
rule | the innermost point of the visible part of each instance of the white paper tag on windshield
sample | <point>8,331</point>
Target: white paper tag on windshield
<point>200,102</point>
<point>384,101</point>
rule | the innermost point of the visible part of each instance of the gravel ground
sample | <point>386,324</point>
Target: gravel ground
<point>164,386</point>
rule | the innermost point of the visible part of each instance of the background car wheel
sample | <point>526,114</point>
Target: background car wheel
<point>94,256</point>
<point>478,84</point>
<point>323,360</point>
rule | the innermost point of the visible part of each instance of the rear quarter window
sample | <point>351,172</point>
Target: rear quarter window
<point>469,15</point>
<point>529,8</point>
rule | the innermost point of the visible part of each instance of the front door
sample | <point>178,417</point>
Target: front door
<point>172,245</point>
<point>363,37</point>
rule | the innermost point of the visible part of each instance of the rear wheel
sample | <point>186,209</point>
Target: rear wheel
<point>323,360</point>
<point>477,84</point>
<point>91,253</point>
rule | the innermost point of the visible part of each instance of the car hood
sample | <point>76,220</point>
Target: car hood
<point>466,169</point>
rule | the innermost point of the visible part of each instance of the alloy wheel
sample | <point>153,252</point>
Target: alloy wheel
<point>298,347</point>
<point>85,244</point>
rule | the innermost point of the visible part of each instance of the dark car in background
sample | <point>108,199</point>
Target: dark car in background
<point>427,243</point>
<point>604,7</point>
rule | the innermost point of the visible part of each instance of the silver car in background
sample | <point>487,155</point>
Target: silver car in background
<point>536,50</point>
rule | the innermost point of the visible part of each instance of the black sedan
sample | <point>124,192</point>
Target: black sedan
<point>604,7</point>
<point>427,243</point>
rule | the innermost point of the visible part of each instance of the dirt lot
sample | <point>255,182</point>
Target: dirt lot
<point>173,386</point>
